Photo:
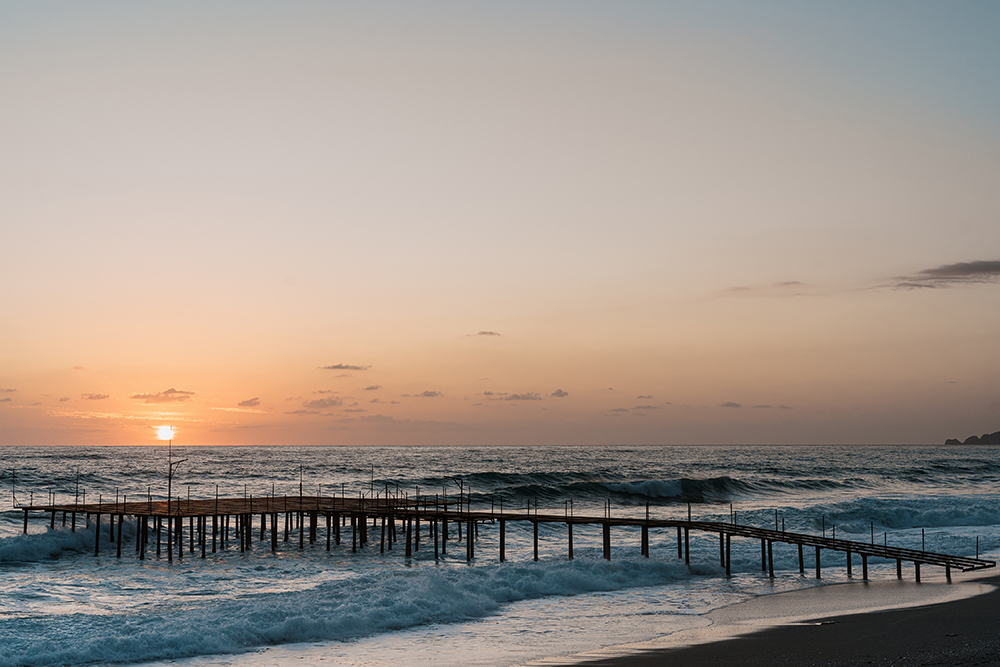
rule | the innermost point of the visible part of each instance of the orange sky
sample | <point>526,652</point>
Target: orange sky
<point>577,224</point>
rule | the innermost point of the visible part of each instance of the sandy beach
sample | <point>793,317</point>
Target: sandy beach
<point>954,632</point>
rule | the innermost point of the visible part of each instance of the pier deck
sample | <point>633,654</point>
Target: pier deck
<point>301,514</point>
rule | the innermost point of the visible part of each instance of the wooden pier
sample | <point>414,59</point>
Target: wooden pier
<point>221,523</point>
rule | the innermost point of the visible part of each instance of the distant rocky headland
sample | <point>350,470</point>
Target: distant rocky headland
<point>984,439</point>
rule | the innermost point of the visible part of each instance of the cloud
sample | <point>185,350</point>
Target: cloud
<point>326,391</point>
<point>6,400</point>
<point>760,406</point>
<point>169,396</point>
<point>321,403</point>
<point>7,391</point>
<point>487,393</point>
<point>79,368</point>
<point>355,410</point>
<point>949,275</point>
<point>376,400</point>
<point>619,410</point>
<point>94,397</point>
<point>345,367</point>
<point>484,333</point>
<point>302,412</point>
<point>429,394</point>
<point>646,407</point>
<point>784,407</point>
<point>559,393</point>
<point>373,387</point>
<point>530,396</point>
<point>643,398</point>
<point>730,404</point>
<point>249,403</point>
<point>64,399</point>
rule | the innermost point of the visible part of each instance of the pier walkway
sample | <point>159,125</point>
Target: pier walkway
<point>218,523</point>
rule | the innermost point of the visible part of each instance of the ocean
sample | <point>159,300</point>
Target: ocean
<point>61,605</point>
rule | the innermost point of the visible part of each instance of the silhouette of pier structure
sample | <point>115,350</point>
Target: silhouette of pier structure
<point>228,523</point>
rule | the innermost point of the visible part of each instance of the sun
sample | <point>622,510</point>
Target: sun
<point>165,432</point>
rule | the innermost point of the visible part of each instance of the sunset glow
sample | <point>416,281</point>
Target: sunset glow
<point>650,225</point>
<point>165,433</point>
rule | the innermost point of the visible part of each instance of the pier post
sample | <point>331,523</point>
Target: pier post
<point>434,529</point>
<point>722,549</point>
<point>409,537</point>
<point>121,520</point>
<point>770,559</point>
<point>25,522</point>
<point>916,571</point>
<point>354,534</point>
<point>899,568</point>
<point>52,521</point>
<point>728,558</point>
<point>73,522</point>
<point>329,531</point>
<point>680,544</point>
<point>607,541</point>
<point>142,538</point>
<point>313,521</point>
<point>503,539</point>
<point>191,528</point>
<point>170,538</point>
<point>444,532</point>
<point>763,555</point>
<point>535,529</point>
<point>850,574</point>
<point>97,542</point>
<point>416,531</point>
<point>644,541</point>
<point>864,567</point>
<point>817,563</point>
<point>947,573</point>
<point>215,530</point>
<point>288,521</point>
<point>159,526</point>
<point>381,545</point>
<point>336,528</point>
<point>802,562</point>
<point>302,531</point>
<point>569,536</point>
<point>687,545</point>
<point>263,525</point>
<point>204,530</point>
<point>470,544</point>
<point>274,532</point>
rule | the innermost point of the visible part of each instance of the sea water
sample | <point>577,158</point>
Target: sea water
<point>61,605</point>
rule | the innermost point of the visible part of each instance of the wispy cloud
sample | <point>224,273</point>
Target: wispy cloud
<point>643,398</point>
<point>951,275</point>
<point>373,387</point>
<point>64,399</point>
<point>646,407</point>
<point>249,403</point>
<point>94,397</point>
<point>425,394</point>
<point>169,396</point>
<point>321,403</point>
<point>484,333</point>
<point>7,391</point>
<point>6,400</point>
<point>302,412</point>
<point>760,406</point>
<point>79,368</point>
<point>730,404</point>
<point>345,367</point>
<point>618,410</point>
<point>529,396</point>
<point>559,393</point>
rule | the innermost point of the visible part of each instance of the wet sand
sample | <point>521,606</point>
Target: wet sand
<point>956,633</point>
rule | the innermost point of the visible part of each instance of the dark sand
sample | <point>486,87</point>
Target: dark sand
<point>958,633</point>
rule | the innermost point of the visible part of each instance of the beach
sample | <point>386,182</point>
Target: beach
<point>956,632</point>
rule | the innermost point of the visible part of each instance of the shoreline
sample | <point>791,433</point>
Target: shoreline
<point>885,623</point>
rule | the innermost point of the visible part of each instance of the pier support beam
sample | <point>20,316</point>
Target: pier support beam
<point>850,575</point>
<point>802,562</point>
<point>503,540</point>
<point>864,567</point>
<point>770,559</point>
<point>687,546</point>
<point>97,542</point>
<point>763,555</point>
<point>899,568</point>
<point>470,543</point>
<point>569,540</point>
<point>409,537</point>
<point>680,544</point>
<point>916,571</point>
<point>729,561</point>
<point>644,541</point>
<point>818,576</point>
<point>607,541</point>
<point>534,525</point>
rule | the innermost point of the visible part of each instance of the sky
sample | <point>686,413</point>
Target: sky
<point>510,223</point>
